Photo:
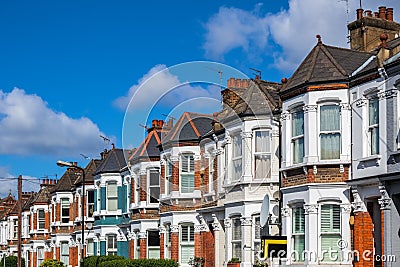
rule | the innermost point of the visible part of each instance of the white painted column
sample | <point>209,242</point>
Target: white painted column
<point>345,111</point>
<point>217,228</point>
<point>246,242</point>
<point>311,234</point>
<point>286,130</point>
<point>246,156</point>
<point>310,133</point>
<point>345,245</point>
<point>228,239</point>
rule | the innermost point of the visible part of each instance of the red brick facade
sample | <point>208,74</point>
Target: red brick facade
<point>363,237</point>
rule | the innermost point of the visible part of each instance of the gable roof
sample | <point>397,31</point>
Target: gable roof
<point>90,170</point>
<point>190,127</point>
<point>326,64</point>
<point>149,147</point>
<point>43,196</point>
<point>113,162</point>
<point>67,180</point>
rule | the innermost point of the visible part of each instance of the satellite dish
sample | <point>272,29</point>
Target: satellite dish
<point>264,214</point>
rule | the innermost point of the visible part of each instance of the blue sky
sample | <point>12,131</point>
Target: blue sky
<point>68,68</point>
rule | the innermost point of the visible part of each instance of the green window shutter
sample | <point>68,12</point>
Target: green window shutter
<point>95,201</point>
<point>329,248</point>
<point>298,220</point>
<point>95,249</point>
<point>330,218</point>
<point>103,198</point>
<point>102,248</point>
<point>120,191</point>
<point>299,246</point>
<point>187,252</point>
<point>187,183</point>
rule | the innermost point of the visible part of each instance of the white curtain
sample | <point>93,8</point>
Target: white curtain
<point>330,137</point>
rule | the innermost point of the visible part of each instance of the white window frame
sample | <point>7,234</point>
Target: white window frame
<point>236,237</point>
<point>149,186</point>
<point>326,132</point>
<point>372,127</point>
<point>137,246</point>
<point>189,242</point>
<point>153,248</point>
<point>15,228</point>
<point>64,204</point>
<point>41,220</point>
<point>168,167</point>
<point>237,157</point>
<point>112,198</point>
<point>211,172</point>
<point>89,205</point>
<point>256,236</point>
<point>113,249</point>
<point>90,247</point>
<point>337,233</point>
<point>295,138</point>
<point>299,257</point>
<point>189,172</point>
<point>64,255</point>
<point>39,260</point>
<point>167,238</point>
<point>137,188</point>
<point>262,154</point>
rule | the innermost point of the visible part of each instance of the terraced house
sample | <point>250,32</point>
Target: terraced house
<point>314,159</point>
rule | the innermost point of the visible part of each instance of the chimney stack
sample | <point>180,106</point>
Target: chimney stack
<point>389,14</point>
<point>368,13</point>
<point>360,13</point>
<point>382,12</point>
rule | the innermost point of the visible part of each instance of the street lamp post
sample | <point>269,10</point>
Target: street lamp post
<point>71,165</point>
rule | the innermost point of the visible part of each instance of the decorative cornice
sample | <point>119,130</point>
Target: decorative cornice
<point>387,94</point>
<point>275,133</point>
<point>200,228</point>
<point>246,221</point>
<point>227,223</point>
<point>345,106</point>
<point>174,228</point>
<point>346,208</point>
<point>245,135</point>
<point>143,172</point>
<point>357,204</point>
<point>162,229</point>
<point>162,161</point>
<point>361,102</point>
<point>142,235</point>
<point>173,158</point>
<point>218,151</point>
<point>385,201</point>
<point>197,157</point>
<point>310,108</point>
<point>285,212</point>
<point>285,116</point>
<point>310,208</point>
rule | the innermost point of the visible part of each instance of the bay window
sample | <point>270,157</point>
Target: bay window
<point>154,185</point>
<point>298,136</point>
<point>187,173</point>
<point>111,244</point>
<point>330,131</point>
<point>330,232</point>
<point>64,210</point>
<point>298,232</point>
<point>236,238</point>
<point>112,196</point>
<point>187,243</point>
<point>373,125</point>
<point>237,157</point>
<point>262,155</point>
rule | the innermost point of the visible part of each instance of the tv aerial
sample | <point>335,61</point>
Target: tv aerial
<point>219,71</point>
<point>257,72</point>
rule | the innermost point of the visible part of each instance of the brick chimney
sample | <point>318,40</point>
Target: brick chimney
<point>366,30</point>
<point>234,90</point>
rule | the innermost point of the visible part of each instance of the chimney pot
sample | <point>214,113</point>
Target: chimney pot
<point>284,80</point>
<point>376,14</point>
<point>382,12</point>
<point>368,13</point>
<point>383,38</point>
<point>154,123</point>
<point>360,13</point>
<point>161,123</point>
<point>389,14</point>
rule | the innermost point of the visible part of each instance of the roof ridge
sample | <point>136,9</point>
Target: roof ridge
<point>333,60</point>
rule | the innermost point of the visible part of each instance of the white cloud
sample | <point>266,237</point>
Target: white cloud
<point>293,29</point>
<point>159,85</point>
<point>9,182</point>
<point>29,127</point>
<point>233,28</point>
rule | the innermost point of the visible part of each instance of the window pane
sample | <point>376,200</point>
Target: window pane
<point>330,118</point>
<point>374,133</point>
<point>112,190</point>
<point>111,241</point>
<point>112,204</point>
<point>187,183</point>
<point>237,146</point>
<point>187,252</point>
<point>154,177</point>
<point>154,194</point>
<point>236,229</point>
<point>299,246</point>
<point>257,227</point>
<point>237,250</point>
<point>237,169</point>
<point>262,166</point>
<point>153,238</point>
<point>330,218</point>
<point>329,245</point>
<point>330,146</point>
<point>373,110</point>
<point>298,150</point>
<point>298,123</point>
<point>262,141</point>
<point>298,220</point>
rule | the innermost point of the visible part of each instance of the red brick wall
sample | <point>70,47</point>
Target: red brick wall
<point>363,237</point>
<point>132,248</point>
<point>34,222</point>
<point>208,249</point>
<point>162,179</point>
<point>34,259</point>
<point>162,246</point>
<point>175,246</point>
<point>175,176</point>
<point>325,174</point>
<point>143,184</point>
<point>143,248</point>
<point>73,256</point>
<point>58,252</point>
<point>198,245</point>
<point>58,212</point>
<point>133,191</point>
<point>197,180</point>
<point>382,235</point>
